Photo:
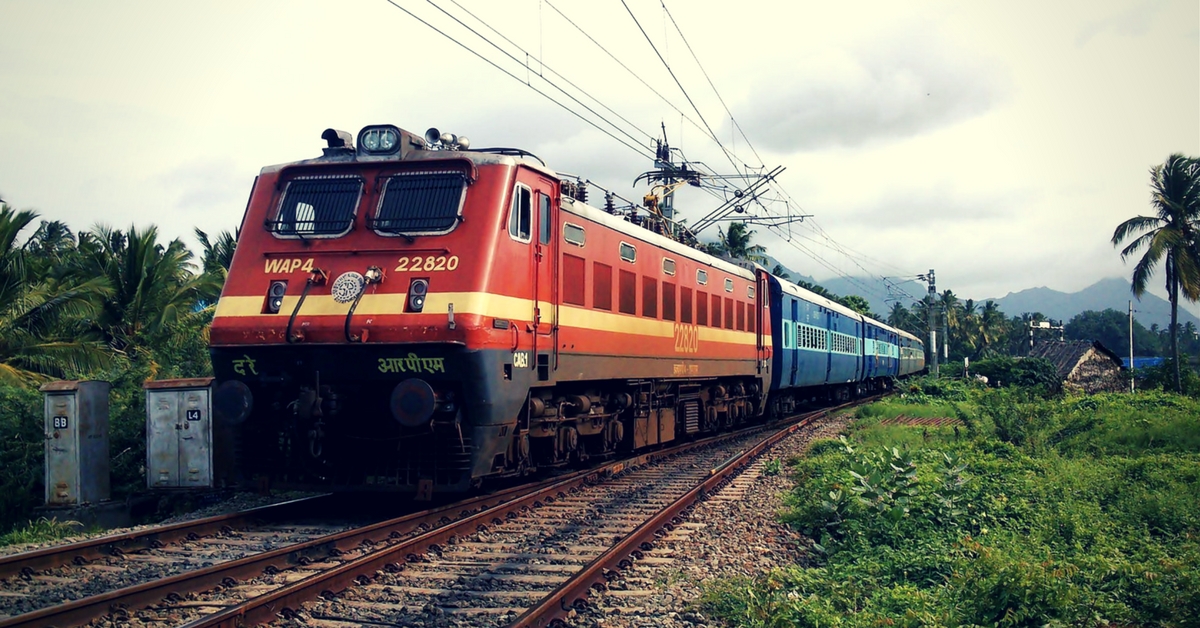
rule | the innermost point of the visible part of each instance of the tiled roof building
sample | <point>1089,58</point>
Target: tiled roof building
<point>1083,365</point>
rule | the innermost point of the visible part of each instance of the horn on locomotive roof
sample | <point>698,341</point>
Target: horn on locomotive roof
<point>435,138</point>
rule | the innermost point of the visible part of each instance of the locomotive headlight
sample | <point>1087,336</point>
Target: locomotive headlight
<point>379,140</point>
<point>275,294</point>
<point>416,294</point>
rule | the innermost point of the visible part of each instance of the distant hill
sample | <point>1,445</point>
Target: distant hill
<point>1107,293</point>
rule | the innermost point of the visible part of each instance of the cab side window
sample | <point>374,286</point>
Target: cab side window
<point>520,216</point>
<point>544,219</point>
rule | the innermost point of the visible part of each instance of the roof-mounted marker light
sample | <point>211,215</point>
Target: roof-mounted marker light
<point>379,139</point>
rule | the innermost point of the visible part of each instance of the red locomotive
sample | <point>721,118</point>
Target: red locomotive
<point>405,313</point>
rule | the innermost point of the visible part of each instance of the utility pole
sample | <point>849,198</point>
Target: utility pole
<point>933,345</point>
<point>1131,379</point>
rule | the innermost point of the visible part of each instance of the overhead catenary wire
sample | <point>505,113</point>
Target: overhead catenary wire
<point>634,143</point>
<point>700,115</point>
<point>710,81</point>
<point>635,75</point>
<point>542,65</point>
<point>641,151</point>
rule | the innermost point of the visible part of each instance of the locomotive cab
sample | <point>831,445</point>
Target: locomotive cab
<point>376,291</point>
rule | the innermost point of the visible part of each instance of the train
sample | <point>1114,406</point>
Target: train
<point>406,313</point>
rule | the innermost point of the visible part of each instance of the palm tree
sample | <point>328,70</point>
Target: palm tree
<point>217,255</point>
<point>42,334</point>
<point>736,243</point>
<point>1169,235</point>
<point>215,261</point>
<point>991,328</point>
<point>154,286</point>
<point>899,316</point>
<point>778,271</point>
<point>40,317</point>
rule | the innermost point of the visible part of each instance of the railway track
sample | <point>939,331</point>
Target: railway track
<point>526,555</point>
<point>44,577</point>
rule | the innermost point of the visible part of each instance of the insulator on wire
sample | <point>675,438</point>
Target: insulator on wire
<point>581,194</point>
<point>609,203</point>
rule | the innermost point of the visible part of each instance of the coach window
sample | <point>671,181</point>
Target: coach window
<point>750,291</point>
<point>520,216</point>
<point>728,285</point>
<point>702,277</point>
<point>628,253</point>
<point>573,234</point>
<point>669,266</point>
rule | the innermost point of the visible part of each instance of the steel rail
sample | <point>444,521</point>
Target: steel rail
<point>286,599</point>
<point>556,606</point>
<point>264,608</point>
<point>27,563</point>
<point>121,601</point>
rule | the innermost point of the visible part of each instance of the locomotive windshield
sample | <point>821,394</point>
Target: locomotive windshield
<point>317,207</point>
<point>421,203</point>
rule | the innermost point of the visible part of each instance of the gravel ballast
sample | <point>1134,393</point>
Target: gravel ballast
<point>735,533</point>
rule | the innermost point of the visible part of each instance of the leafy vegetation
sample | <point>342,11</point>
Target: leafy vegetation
<point>105,304</point>
<point>1170,237</point>
<point>1038,511</point>
<point>41,531</point>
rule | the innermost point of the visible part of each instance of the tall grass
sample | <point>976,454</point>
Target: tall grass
<point>1065,511</point>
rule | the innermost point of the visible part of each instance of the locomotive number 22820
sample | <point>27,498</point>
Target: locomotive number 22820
<point>428,264</point>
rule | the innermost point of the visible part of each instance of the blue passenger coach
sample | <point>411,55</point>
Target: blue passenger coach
<point>824,350</point>
<point>817,346</point>
<point>881,351</point>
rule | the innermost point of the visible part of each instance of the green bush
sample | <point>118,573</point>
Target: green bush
<point>22,454</point>
<point>1080,511</point>
<point>1020,372</point>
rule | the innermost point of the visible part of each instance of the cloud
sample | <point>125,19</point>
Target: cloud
<point>898,87</point>
<point>207,184</point>
<point>1132,22</point>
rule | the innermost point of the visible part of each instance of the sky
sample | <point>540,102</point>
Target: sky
<point>997,142</point>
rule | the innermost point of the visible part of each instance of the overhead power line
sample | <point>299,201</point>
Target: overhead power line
<point>711,134</point>
<point>643,152</point>
<point>710,81</point>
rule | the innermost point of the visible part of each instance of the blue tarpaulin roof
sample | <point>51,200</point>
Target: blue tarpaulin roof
<point>1141,363</point>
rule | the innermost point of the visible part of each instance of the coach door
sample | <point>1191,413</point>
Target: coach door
<point>545,276</point>
<point>761,319</point>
